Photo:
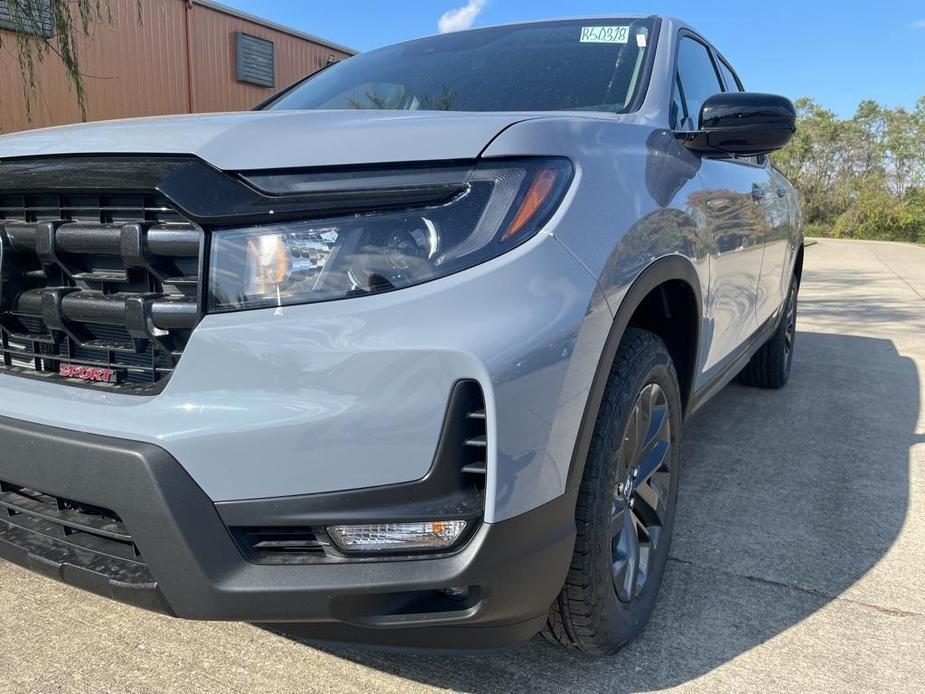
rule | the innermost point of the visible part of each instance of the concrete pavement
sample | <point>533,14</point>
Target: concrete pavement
<point>798,563</point>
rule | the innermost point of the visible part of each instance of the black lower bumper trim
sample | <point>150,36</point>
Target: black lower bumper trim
<point>511,570</point>
<point>111,577</point>
<point>426,640</point>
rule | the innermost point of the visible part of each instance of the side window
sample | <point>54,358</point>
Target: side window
<point>698,80</point>
<point>729,77</point>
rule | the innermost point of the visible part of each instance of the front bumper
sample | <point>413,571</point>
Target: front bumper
<point>189,566</point>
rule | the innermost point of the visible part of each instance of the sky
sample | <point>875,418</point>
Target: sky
<point>836,52</point>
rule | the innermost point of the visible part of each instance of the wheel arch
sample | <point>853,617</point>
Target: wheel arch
<point>651,303</point>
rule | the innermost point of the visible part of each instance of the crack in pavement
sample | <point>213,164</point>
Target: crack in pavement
<point>891,611</point>
<point>896,274</point>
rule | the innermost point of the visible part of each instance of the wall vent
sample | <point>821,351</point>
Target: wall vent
<point>35,17</point>
<point>255,60</point>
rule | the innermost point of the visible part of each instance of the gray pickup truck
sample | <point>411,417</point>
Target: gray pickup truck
<point>402,357</point>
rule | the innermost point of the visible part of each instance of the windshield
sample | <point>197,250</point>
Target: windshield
<point>591,65</point>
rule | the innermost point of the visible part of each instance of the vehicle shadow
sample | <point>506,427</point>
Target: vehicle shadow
<point>787,499</point>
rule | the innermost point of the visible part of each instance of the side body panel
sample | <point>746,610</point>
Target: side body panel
<point>637,198</point>
<point>636,219</point>
<point>781,244</point>
<point>733,204</point>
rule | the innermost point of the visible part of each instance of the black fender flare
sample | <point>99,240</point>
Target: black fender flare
<point>665,269</point>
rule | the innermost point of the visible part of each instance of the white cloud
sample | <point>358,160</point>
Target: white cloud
<point>462,17</point>
<point>917,24</point>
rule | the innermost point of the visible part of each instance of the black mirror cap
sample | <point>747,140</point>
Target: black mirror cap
<point>743,124</point>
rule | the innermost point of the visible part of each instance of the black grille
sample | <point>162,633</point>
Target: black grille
<point>68,532</point>
<point>103,288</point>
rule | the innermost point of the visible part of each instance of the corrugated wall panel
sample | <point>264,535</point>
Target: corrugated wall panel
<point>132,69</point>
<point>212,35</point>
<point>141,69</point>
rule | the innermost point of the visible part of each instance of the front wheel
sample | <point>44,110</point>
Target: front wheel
<point>626,503</point>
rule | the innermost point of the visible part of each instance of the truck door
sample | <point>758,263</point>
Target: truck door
<point>736,192</point>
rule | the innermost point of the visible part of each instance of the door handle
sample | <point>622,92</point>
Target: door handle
<point>757,193</point>
<point>781,192</point>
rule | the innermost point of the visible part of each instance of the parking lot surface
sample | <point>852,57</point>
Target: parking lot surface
<point>798,563</point>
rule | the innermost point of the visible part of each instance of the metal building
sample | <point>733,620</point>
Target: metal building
<point>184,56</point>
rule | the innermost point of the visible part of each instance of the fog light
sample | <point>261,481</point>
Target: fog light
<point>384,537</point>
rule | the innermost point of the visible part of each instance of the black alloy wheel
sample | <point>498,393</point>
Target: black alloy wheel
<point>640,498</point>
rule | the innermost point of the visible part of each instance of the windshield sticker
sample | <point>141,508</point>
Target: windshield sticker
<point>605,34</point>
<point>641,40</point>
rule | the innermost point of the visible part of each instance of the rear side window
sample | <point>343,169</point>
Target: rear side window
<point>698,80</point>
<point>729,77</point>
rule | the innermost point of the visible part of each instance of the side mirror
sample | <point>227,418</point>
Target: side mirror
<point>742,124</point>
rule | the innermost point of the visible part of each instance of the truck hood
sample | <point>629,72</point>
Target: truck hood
<point>276,139</point>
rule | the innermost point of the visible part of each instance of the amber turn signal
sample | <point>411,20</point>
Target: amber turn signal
<point>543,183</point>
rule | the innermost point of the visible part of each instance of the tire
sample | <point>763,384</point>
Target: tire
<point>613,506</point>
<point>770,366</point>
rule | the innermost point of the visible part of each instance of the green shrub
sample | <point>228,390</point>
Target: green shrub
<point>859,178</point>
<point>816,230</point>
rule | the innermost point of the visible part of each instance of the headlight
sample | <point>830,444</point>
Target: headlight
<point>417,225</point>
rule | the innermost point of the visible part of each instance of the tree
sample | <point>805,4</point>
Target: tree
<point>43,27</point>
<point>815,159</point>
<point>862,177</point>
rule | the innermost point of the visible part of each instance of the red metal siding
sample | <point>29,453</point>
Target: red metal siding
<point>212,47</point>
<point>142,69</point>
